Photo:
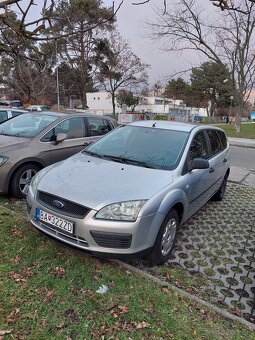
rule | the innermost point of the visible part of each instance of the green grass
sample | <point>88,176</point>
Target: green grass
<point>247,130</point>
<point>49,292</point>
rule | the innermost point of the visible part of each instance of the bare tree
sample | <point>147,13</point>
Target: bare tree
<point>120,68</point>
<point>230,42</point>
<point>27,81</point>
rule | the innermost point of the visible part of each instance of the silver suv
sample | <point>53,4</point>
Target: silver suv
<point>126,194</point>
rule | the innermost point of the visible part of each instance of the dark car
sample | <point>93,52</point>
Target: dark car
<point>11,103</point>
<point>37,139</point>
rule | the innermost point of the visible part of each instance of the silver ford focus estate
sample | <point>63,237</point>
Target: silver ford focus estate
<point>127,194</point>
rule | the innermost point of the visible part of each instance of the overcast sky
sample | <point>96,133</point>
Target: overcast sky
<point>132,26</point>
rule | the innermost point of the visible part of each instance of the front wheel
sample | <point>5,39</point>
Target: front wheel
<point>165,240</point>
<point>21,177</point>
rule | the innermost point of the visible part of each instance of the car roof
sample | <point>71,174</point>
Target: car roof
<point>170,125</point>
<point>165,124</point>
<point>10,108</point>
<point>60,114</point>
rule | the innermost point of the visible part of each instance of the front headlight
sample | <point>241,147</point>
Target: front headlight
<point>121,211</point>
<point>3,160</point>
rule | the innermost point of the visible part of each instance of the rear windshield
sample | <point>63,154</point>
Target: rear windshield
<point>26,125</point>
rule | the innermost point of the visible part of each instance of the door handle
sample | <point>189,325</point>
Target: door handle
<point>211,169</point>
<point>225,160</point>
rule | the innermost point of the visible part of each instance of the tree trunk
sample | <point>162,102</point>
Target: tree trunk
<point>113,105</point>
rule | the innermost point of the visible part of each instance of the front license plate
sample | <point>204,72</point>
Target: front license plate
<point>54,220</point>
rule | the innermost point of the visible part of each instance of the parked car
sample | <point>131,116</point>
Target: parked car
<point>8,112</point>
<point>38,108</point>
<point>11,103</point>
<point>36,139</point>
<point>126,194</point>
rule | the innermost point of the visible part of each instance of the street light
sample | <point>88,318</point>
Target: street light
<point>230,109</point>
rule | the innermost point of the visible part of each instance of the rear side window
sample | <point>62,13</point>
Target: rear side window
<point>97,126</point>
<point>15,113</point>
<point>199,147</point>
<point>215,141</point>
<point>3,116</point>
<point>223,139</point>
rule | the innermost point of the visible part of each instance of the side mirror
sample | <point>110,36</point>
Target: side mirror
<point>198,163</point>
<point>60,137</point>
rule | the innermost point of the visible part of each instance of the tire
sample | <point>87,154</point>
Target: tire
<point>165,240</point>
<point>219,195</point>
<point>21,177</point>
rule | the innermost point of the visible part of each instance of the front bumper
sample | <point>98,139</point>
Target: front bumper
<point>113,239</point>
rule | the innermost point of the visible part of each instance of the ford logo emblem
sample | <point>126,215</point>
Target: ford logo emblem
<point>58,204</point>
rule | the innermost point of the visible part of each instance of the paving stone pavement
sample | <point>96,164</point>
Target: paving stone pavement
<point>219,241</point>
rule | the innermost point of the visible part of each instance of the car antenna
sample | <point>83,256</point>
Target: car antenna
<point>154,124</point>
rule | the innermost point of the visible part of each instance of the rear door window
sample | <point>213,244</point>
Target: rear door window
<point>16,113</point>
<point>215,141</point>
<point>97,126</point>
<point>223,139</point>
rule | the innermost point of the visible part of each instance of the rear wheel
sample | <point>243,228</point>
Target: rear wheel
<point>21,177</point>
<point>165,240</point>
<point>219,195</point>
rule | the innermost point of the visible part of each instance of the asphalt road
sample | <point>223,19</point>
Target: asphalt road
<point>242,157</point>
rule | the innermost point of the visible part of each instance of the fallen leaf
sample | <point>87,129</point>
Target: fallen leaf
<point>49,294</point>
<point>97,278</point>
<point>61,325</point>
<point>17,277</point>
<point>165,290</point>
<point>58,271</point>
<point>142,325</point>
<point>3,332</point>
<point>17,259</point>
<point>123,309</point>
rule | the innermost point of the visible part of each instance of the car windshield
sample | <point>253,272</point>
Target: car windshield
<point>26,125</point>
<point>142,146</point>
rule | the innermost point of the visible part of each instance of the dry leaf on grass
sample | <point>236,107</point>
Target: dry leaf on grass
<point>3,332</point>
<point>58,271</point>
<point>49,294</point>
<point>142,325</point>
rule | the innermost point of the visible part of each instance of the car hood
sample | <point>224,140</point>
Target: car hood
<point>95,182</point>
<point>8,143</point>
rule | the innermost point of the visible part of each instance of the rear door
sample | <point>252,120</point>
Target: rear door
<point>97,127</point>
<point>219,157</point>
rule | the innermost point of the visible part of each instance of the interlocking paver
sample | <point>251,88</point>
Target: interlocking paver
<point>219,242</point>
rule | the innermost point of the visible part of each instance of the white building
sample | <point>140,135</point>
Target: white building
<point>100,103</point>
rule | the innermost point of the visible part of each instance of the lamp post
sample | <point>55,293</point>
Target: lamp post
<point>230,109</point>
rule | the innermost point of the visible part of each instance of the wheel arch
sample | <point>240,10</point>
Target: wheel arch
<point>18,166</point>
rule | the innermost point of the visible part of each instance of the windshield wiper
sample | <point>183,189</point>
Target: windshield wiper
<point>132,162</point>
<point>92,154</point>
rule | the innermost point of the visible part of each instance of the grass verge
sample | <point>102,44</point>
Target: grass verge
<point>49,292</point>
<point>247,130</point>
